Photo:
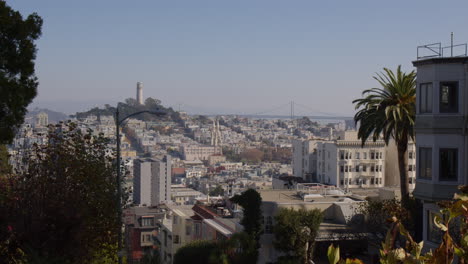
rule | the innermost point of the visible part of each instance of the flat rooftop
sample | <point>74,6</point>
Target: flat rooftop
<point>291,196</point>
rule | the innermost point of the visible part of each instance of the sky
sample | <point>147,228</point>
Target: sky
<point>230,57</point>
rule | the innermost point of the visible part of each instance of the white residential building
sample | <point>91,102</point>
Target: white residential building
<point>304,160</point>
<point>346,163</point>
<point>152,181</point>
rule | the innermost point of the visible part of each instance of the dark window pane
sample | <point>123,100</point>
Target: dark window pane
<point>425,163</point>
<point>448,164</point>
<point>449,97</point>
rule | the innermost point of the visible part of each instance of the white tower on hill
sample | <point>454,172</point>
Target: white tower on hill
<point>139,95</point>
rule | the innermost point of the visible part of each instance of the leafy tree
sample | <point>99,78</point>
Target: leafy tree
<point>4,165</point>
<point>377,213</point>
<point>252,155</point>
<point>151,257</point>
<point>251,202</point>
<point>295,232</point>
<point>390,110</point>
<point>18,83</point>
<point>240,248</point>
<point>200,252</point>
<point>62,209</point>
<point>131,102</point>
<point>217,191</point>
<point>151,102</point>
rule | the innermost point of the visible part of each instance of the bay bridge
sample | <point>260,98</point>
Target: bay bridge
<point>289,110</point>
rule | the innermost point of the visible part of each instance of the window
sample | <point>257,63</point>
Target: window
<point>357,155</point>
<point>342,168</point>
<point>364,168</point>
<point>448,164</point>
<point>176,239</point>
<point>357,168</point>
<point>425,95</point>
<point>365,155</point>
<point>341,182</point>
<point>341,154</point>
<point>448,97</point>
<point>434,234</point>
<point>372,155</point>
<point>147,221</point>
<point>269,225</point>
<point>372,181</point>
<point>410,155</point>
<point>425,163</point>
<point>372,169</point>
<point>346,168</point>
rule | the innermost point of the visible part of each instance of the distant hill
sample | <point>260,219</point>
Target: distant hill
<point>130,106</point>
<point>54,117</point>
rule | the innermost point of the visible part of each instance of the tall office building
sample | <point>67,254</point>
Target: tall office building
<point>441,134</point>
<point>152,181</point>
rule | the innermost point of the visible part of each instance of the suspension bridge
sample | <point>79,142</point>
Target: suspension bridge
<point>287,110</point>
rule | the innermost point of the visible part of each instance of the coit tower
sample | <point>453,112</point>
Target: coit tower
<point>139,95</point>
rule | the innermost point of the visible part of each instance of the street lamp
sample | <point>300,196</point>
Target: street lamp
<point>118,123</point>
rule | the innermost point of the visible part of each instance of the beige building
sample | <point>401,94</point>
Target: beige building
<point>199,152</point>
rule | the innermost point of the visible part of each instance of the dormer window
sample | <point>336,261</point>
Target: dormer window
<point>448,97</point>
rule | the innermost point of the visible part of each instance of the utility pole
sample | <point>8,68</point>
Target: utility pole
<point>119,188</point>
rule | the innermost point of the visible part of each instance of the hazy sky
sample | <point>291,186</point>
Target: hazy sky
<point>230,56</point>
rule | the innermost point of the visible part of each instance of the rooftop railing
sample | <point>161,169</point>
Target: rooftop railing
<point>435,50</point>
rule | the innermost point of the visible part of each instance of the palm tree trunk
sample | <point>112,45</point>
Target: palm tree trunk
<point>402,166</point>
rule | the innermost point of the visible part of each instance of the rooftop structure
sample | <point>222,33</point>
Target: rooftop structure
<point>441,131</point>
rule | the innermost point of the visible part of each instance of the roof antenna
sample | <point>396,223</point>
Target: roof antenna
<point>451,44</point>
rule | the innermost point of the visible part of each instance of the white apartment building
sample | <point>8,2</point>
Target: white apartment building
<point>345,163</point>
<point>441,135</point>
<point>304,160</point>
<point>152,181</point>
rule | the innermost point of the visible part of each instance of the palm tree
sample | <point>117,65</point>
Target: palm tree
<point>390,111</point>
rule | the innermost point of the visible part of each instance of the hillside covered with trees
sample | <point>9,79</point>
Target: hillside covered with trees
<point>131,106</point>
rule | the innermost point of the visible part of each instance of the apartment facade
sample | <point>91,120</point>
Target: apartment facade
<point>141,231</point>
<point>199,152</point>
<point>441,134</point>
<point>304,159</point>
<point>152,181</point>
<point>346,163</point>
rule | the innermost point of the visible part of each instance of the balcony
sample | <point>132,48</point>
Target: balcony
<point>429,191</point>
